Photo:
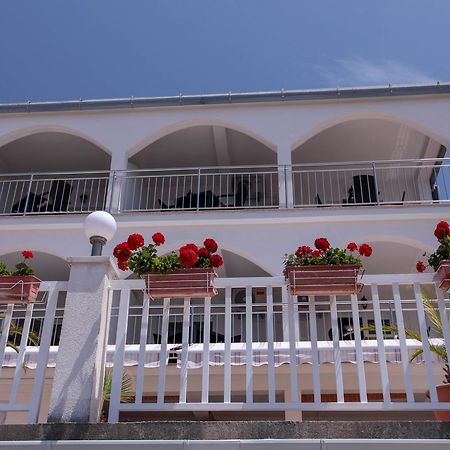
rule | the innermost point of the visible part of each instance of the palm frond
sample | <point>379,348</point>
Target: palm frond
<point>126,388</point>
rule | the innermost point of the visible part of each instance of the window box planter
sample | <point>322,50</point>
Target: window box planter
<point>443,274</point>
<point>180,283</point>
<point>324,279</point>
<point>19,288</point>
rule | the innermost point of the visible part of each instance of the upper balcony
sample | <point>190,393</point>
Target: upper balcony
<point>344,184</point>
<point>360,162</point>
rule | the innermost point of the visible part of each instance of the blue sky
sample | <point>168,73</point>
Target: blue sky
<point>56,50</point>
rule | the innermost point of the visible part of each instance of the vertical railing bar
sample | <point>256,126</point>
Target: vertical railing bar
<point>402,339</point>
<point>184,350</point>
<point>425,342</point>
<point>314,348</point>
<point>249,344</point>
<point>270,347</point>
<point>198,188</point>
<point>358,350</point>
<point>227,349</point>
<point>163,352</point>
<point>206,339</point>
<point>142,347</point>
<point>21,355</point>
<point>119,354</point>
<point>28,194</point>
<point>336,350</point>
<point>44,350</point>
<point>5,333</point>
<point>292,350</point>
<point>380,343</point>
<point>444,318</point>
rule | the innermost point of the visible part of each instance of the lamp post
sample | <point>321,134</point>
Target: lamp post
<point>99,228</point>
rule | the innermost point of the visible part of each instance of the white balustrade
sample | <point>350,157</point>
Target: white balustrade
<point>220,354</point>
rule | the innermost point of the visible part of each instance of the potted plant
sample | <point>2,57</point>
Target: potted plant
<point>19,286</point>
<point>325,270</point>
<point>186,273</point>
<point>440,259</point>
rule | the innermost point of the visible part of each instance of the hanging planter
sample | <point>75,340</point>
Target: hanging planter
<point>440,259</point>
<point>188,273</point>
<point>443,274</point>
<point>194,282</point>
<point>326,270</point>
<point>19,288</point>
<point>324,279</point>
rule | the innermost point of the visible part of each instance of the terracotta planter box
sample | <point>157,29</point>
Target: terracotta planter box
<point>19,288</point>
<point>323,279</point>
<point>181,283</point>
<point>443,393</point>
<point>443,274</point>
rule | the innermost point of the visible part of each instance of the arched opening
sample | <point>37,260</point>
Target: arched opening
<point>200,167</point>
<point>52,172</point>
<point>370,161</point>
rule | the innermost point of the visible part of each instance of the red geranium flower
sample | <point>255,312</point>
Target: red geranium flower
<point>420,266</point>
<point>352,246</point>
<point>203,252</point>
<point>135,241</point>
<point>322,244</point>
<point>158,239</point>
<point>316,253</point>
<point>215,260</point>
<point>27,254</point>
<point>302,250</point>
<point>188,257</point>
<point>211,245</point>
<point>122,264</point>
<point>442,230</point>
<point>192,247</point>
<point>122,251</point>
<point>365,250</point>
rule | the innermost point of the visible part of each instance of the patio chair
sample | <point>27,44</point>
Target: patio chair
<point>59,196</point>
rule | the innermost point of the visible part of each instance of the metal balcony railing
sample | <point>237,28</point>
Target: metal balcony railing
<point>369,183</point>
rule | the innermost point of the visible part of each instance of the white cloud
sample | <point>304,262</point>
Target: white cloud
<point>357,71</point>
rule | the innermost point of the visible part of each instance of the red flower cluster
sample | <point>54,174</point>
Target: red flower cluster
<point>322,244</point>
<point>158,239</point>
<point>135,241</point>
<point>442,230</point>
<point>27,254</point>
<point>420,266</point>
<point>365,250</point>
<point>122,251</point>
<point>190,254</point>
<point>352,246</point>
<point>304,249</point>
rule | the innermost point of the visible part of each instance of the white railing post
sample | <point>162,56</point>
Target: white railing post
<point>78,380</point>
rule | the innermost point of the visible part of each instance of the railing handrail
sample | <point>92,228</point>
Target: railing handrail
<point>275,166</point>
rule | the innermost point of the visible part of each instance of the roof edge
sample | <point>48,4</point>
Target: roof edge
<point>227,98</point>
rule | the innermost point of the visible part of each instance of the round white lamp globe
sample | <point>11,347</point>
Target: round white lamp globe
<point>99,228</point>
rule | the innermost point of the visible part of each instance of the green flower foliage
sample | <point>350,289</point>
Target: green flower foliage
<point>23,269</point>
<point>441,253</point>
<point>4,270</point>
<point>146,260</point>
<point>331,256</point>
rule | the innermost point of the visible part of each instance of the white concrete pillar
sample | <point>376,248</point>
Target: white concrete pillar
<point>119,163</point>
<point>78,381</point>
<point>284,161</point>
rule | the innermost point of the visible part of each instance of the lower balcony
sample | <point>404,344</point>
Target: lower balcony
<point>253,351</point>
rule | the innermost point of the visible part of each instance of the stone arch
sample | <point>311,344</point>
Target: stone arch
<point>52,128</point>
<point>341,118</point>
<point>184,124</point>
<point>47,265</point>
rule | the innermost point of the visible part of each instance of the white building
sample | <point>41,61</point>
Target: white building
<point>262,173</point>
